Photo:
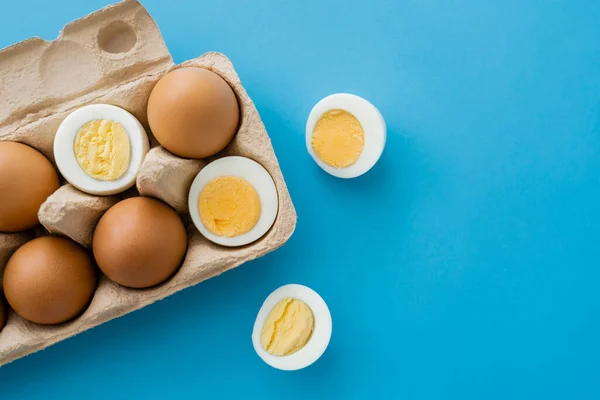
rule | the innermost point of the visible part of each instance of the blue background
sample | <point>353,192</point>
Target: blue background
<point>463,266</point>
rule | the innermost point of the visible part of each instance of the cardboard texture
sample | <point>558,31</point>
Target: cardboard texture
<point>115,56</point>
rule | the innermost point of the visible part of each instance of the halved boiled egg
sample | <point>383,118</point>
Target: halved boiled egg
<point>293,328</point>
<point>233,201</point>
<point>99,149</point>
<point>345,135</point>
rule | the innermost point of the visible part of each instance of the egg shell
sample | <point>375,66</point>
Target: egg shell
<point>49,280</point>
<point>319,340</point>
<point>67,162</point>
<point>27,178</point>
<point>193,112</point>
<point>140,242</point>
<point>257,176</point>
<point>373,126</point>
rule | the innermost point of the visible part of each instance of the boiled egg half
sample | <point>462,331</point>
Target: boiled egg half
<point>293,328</point>
<point>99,149</point>
<point>345,135</point>
<point>233,201</point>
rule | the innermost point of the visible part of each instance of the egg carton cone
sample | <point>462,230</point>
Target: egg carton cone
<point>115,56</point>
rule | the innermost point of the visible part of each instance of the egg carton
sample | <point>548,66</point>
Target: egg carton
<point>115,56</point>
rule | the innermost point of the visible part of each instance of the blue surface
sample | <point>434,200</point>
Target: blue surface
<point>463,266</point>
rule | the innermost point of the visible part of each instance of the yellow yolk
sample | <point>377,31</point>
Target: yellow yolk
<point>288,327</point>
<point>229,206</point>
<point>103,150</point>
<point>338,138</point>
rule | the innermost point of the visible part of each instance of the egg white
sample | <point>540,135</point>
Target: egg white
<point>64,153</point>
<point>319,340</point>
<point>253,173</point>
<point>373,126</point>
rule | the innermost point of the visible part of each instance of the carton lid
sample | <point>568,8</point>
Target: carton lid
<point>91,55</point>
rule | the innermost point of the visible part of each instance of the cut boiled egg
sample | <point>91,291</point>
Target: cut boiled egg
<point>233,201</point>
<point>293,328</point>
<point>99,149</point>
<point>345,135</point>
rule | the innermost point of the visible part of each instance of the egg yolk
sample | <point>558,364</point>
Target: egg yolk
<point>229,206</point>
<point>288,327</point>
<point>338,138</point>
<point>103,149</point>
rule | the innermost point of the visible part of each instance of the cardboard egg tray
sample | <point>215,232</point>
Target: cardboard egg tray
<point>115,56</point>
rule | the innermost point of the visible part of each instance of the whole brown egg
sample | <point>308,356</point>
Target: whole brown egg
<point>27,178</point>
<point>139,242</point>
<point>193,112</point>
<point>50,280</point>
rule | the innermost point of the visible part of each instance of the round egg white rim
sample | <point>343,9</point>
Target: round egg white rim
<point>257,176</point>
<point>64,153</point>
<point>319,340</point>
<point>373,126</point>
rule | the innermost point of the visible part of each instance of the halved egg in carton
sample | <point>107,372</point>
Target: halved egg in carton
<point>83,99</point>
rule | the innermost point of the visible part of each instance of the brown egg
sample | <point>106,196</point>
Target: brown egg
<point>27,178</point>
<point>139,242</point>
<point>193,112</point>
<point>50,280</point>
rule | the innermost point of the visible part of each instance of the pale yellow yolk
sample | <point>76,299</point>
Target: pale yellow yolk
<point>338,138</point>
<point>288,327</point>
<point>103,150</point>
<point>229,206</point>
